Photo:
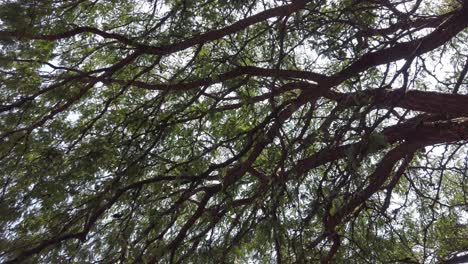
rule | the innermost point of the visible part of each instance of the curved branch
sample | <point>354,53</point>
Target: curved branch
<point>418,132</point>
<point>237,72</point>
<point>447,30</point>
<point>173,47</point>
<point>454,105</point>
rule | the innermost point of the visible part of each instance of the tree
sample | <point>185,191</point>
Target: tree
<point>233,131</point>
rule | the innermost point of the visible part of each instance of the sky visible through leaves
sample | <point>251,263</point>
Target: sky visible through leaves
<point>276,131</point>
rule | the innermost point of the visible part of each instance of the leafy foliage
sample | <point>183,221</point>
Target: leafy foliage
<point>183,131</point>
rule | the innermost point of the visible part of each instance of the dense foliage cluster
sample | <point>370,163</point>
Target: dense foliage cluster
<point>243,131</point>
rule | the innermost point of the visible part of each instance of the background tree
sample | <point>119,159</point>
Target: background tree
<point>233,131</point>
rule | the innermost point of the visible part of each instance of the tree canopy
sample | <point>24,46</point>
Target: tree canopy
<point>243,131</point>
